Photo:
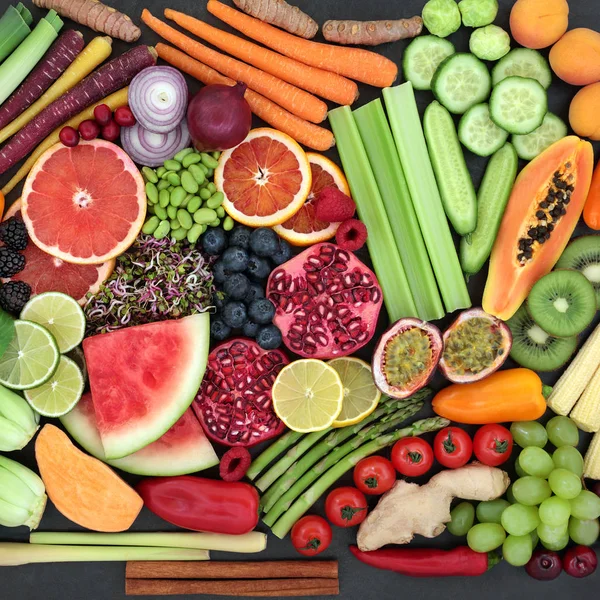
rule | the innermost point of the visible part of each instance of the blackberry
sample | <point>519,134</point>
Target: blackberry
<point>240,236</point>
<point>269,337</point>
<point>261,311</point>
<point>283,254</point>
<point>214,241</point>
<point>251,329</point>
<point>14,233</point>
<point>264,242</point>
<point>236,286</point>
<point>219,330</point>
<point>11,262</point>
<point>258,268</point>
<point>255,292</point>
<point>14,295</point>
<point>234,314</point>
<point>235,259</point>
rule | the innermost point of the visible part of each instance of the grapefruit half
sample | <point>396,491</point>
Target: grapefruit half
<point>84,205</point>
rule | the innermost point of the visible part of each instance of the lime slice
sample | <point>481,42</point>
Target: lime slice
<point>60,315</point>
<point>361,396</point>
<point>60,393</point>
<point>308,395</point>
<point>30,359</point>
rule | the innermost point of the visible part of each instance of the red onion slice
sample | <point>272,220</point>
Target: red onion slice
<point>158,98</point>
<point>152,149</point>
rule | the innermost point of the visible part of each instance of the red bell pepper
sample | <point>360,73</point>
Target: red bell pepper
<point>202,504</point>
<point>429,562</point>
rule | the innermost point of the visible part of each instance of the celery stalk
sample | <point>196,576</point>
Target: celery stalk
<point>13,30</point>
<point>410,142</point>
<point>379,144</point>
<point>382,246</point>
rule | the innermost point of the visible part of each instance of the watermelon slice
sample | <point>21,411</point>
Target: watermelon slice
<point>182,450</point>
<point>144,378</point>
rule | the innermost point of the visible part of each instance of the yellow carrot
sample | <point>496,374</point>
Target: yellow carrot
<point>95,53</point>
<point>113,101</point>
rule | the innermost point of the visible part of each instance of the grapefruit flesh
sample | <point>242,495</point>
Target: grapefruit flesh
<point>85,204</point>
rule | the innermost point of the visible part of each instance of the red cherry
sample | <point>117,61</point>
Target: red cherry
<point>124,117</point>
<point>103,115</point>
<point>89,130</point>
<point>111,132</point>
<point>69,137</point>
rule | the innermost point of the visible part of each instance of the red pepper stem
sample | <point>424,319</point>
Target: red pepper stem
<point>493,560</point>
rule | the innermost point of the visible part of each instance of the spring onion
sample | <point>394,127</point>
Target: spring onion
<point>14,28</point>
<point>379,144</point>
<point>18,422</point>
<point>410,142</point>
<point>371,210</point>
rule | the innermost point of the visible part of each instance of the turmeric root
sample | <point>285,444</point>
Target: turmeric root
<point>282,15</point>
<point>409,509</point>
<point>371,33</point>
<point>95,15</point>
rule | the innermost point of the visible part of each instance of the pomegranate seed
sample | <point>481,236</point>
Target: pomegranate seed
<point>124,117</point>
<point>103,115</point>
<point>111,132</point>
<point>89,130</point>
<point>69,137</point>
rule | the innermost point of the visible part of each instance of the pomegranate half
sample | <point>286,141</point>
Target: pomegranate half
<point>234,404</point>
<point>406,357</point>
<point>327,302</point>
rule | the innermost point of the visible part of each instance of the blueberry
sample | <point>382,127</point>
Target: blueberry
<point>261,311</point>
<point>220,299</point>
<point>234,314</point>
<point>264,242</point>
<point>236,286</point>
<point>251,329</point>
<point>283,254</point>
<point>220,273</point>
<point>214,241</point>
<point>235,259</point>
<point>258,268</point>
<point>240,236</point>
<point>255,291</point>
<point>269,337</point>
<point>219,330</point>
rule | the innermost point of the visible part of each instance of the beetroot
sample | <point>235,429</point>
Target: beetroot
<point>580,561</point>
<point>234,403</point>
<point>234,464</point>
<point>327,302</point>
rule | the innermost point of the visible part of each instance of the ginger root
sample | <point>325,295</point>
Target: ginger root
<point>95,15</point>
<point>371,33</point>
<point>282,15</point>
<point>409,509</point>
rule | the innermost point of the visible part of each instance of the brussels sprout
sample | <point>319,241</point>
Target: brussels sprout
<point>441,17</point>
<point>478,13</point>
<point>489,43</point>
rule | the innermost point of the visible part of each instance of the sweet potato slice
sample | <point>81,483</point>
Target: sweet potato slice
<point>82,488</point>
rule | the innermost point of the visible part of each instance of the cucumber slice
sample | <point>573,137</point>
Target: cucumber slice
<point>451,172</point>
<point>422,57</point>
<point>523,62</point>
<point>478,133</point>
<point>518,104</point>
<point>461,81</point>
<point>551,130</point>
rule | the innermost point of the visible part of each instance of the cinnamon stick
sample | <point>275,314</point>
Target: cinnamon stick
<point>283,569</point>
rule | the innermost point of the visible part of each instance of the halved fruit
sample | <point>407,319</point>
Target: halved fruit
<point>583,254</point>
<point>406,357</point>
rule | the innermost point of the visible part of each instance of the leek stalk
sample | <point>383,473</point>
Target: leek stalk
<point>18,421</point>
<point>14,28</point>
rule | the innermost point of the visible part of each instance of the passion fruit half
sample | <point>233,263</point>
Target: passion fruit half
<point>406,357</point>
<point>475,345</point>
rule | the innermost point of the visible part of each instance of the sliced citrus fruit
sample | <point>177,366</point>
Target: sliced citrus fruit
<point>361,396</point>
<point>60,393</point>
<point>30,359</point>
<point>86,204</point>
<point>265,179</point>
<point>60,315</point>
<point>308,395</point>
<point>304,229</point>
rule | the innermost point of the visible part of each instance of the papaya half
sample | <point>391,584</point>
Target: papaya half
<point>542,212</point>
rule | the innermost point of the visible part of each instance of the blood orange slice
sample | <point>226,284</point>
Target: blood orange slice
<point>304,229</point>
<point>86,204</point>
<point>265,179</point>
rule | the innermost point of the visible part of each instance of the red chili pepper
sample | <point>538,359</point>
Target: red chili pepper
<point>429,562</point>
<point>202,504</point>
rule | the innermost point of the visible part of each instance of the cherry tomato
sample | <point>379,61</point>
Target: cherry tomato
<point>493,444</point>
<point>346,507</point>
<point>453,447</point>
<point>374,475</point>
<point>311,535</point>
<point>412,457</point>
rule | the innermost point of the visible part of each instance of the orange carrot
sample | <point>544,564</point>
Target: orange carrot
<point>328,85</point>
<point>301,103</point>
<point>355,63</point>
<point>302,131</point>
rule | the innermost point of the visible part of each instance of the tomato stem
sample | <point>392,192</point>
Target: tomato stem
<point>312,544</point>
<point>371,482</point>
<point>415,457</point>
<point>449,446</point>
<point>348,512</point>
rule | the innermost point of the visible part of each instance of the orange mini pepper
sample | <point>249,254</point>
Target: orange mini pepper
<point>591,211</point>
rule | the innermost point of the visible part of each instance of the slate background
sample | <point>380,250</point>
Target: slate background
<point>105,581</point>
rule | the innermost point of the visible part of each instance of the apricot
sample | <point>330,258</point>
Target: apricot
<point>584,114</point>
<point>539,23</point>
<point>575,58</point>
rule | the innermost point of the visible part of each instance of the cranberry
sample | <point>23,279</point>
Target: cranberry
<point>103,115</point>
<point>111,131</point>
<point>580,561</point>
<point>69,137</point>
<point>124,117</point>
<point>544,565</point>
<point>89,130</point>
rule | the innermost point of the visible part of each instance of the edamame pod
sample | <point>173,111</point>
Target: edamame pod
<point>164,198</point>
<point>191,159</point>
<point>172,165</point>
<point>194,204</point>
<point>178,196</point>
<point>178,234</point>
<point>150,225</point>
<point>160,212</point>
<point>215,200</point>
<point>162,231</point>
<point>211,187</point>
<point>175,224</point>
<point>171,211</point>
<point>184,217</point>
<point>163,184</point>
<point>208,161</point>
<point>194,233</point>
<point>173,179</point>
<point>182,154</point>
<point>190,185</point>
<point>220,212</point>
<point>204,216</point>
<point>152,192</point>
<point>149,174</point>
<point>197,173</point>
<point>204,194</point>
<point>228,223</point>
<point>160,172</point>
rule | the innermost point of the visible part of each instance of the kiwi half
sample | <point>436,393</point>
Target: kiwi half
<point>533,348</point>
<point>583,254</point>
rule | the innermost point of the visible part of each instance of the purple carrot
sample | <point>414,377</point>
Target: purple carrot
<point>61,54</point>
<point>106,80</point>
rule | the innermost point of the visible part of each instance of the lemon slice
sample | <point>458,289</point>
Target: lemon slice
<point>308,395</point>
<point>361,396</point>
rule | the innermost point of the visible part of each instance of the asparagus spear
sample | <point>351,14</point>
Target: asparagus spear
<point>310,496</point>
<point>271,453</point>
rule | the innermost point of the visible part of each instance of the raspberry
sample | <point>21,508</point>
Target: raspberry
<point>333,206</point>
<point>351,235</point>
